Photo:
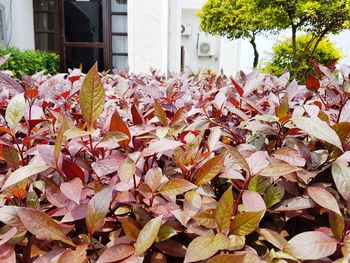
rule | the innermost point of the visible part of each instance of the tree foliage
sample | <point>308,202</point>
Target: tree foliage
<point>245,19</point>
<point>235,19</point>
<point>282,57</point>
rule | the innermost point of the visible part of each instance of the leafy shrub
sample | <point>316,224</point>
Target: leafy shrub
<point>137,168</point>
<point>29,61</point>
<point>283,56</point>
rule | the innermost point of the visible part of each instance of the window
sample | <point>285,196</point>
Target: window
<point>44,24</point>
<point>119,34</point>
<point>83,31</point>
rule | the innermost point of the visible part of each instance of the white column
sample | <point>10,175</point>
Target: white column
<point>174,36</point>
<point>148,35</point>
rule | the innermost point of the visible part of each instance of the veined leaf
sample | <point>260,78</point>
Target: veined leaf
<point>116,253</point>
<point>209,170</point>
<point>15,110</point>
<point>203,247</point>
<point>41,225</point>
<point>245,223</point>
<point>273,195</point>
<point>237,156</point>
<point>23,173</point>
<point>59,137</point>
<point>341,177</point>
<point>318,129</point>
<point>126,170</point>
<point>74,256</point>
<point>97,209</point>
<point>11,157</point>
<point>280,169</point>
<point>129,228</point>
<point>273,237</point>
<point>75,132</point>
<point>160,113</point>
<point>118,125</point>
<point>224,210</point>
<point>92,96</point>
<point>176,186</point>
<point>147,235</point>
<point>311,245</point>
<point>323,198</point>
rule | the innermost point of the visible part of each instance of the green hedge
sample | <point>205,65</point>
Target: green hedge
<point>29,61</point>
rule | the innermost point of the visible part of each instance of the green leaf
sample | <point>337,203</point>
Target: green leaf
<point>318,129</point>
<point>92,96</point>
<point>15,110</point>
<point>176,186</point>
<point>165,232</point>
<point>209,170</point>
<point>126,170</point>
<point>59,138</point>
<point>41,225</point>
<point>97,209</point>
<point>341,177</point>
<point>273,195</point>
<point>75,132</point>
<point>23,173</point>
<point>147,235</point>
<point>337,224</point>
<point>245,223</point>
<point>203,247</point>
<point>115,136</point>
<point>160,113</point>
<point>224,210</point>
<point>311,245</point>
<point>283,108</point>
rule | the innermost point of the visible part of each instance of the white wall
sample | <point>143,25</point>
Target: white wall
<point>19,23</point>
<point>148,35</point>
<point>192,61</point>
<point>174,56</point>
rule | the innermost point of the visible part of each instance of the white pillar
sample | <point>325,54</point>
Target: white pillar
<point>148,35</point>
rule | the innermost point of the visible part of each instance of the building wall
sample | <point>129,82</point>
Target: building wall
<point>19,23</point>
<point>193,62</point>
<point>148,35</point>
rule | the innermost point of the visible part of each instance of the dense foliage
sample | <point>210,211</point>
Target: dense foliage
<point>29,61</point>
<point>235,19</point>
<point>144,168</point>
<point>246,19</point>
<point>282,57</point>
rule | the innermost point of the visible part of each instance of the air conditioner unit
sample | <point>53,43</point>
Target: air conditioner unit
<point>206,45</point>
<point>186,30</point>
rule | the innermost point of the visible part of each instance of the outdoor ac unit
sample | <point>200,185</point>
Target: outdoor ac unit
<point>186,30</point>
<point>206,45</point>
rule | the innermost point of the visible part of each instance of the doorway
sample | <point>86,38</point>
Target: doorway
<point>83,37</point>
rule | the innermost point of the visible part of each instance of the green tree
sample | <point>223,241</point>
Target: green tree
<point>318,18</point>
<point>283,56</point>
<point>247,18</point>
<point>235,19</point>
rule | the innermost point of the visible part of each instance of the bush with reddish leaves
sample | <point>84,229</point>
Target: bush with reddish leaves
<point>147,168</point>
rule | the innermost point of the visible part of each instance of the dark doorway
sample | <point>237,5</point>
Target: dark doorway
<point>83,42</point>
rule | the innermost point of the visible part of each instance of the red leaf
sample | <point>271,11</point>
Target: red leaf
<point>72,170</point>
<point>238,87</point>
<point>117,124</point>
<point>137,117</point>
<point>312,83</point>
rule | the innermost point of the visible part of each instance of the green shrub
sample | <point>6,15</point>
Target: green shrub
<point>283,56</point>
<point>29,61</point>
